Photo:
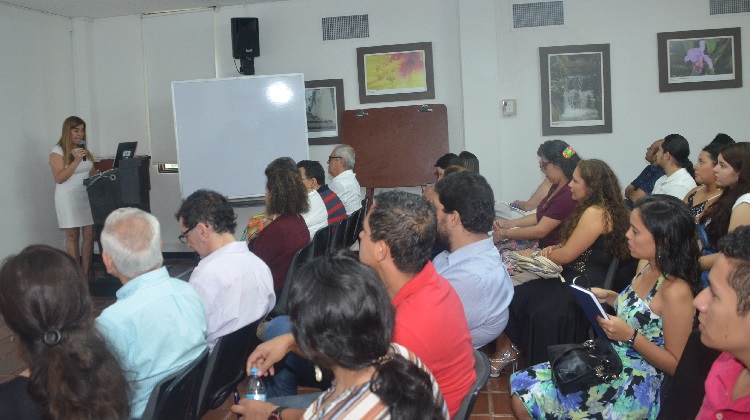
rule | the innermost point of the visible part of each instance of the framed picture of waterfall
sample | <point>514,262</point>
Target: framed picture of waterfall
<point>576,94</point>
<point>698,60</point>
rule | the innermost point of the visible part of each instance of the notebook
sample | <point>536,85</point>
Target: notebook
<point>591,306</point>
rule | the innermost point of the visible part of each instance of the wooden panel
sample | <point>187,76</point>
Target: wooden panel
<point>398,146</point>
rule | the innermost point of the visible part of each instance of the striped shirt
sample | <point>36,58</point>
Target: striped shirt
<point>336,210</point>
<point>360,402</point>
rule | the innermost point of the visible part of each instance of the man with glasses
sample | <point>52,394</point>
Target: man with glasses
<point>236,286</point>
<point>340,165</point>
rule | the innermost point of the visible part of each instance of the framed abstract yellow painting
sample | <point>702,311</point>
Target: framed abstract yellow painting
<point>391,73</point>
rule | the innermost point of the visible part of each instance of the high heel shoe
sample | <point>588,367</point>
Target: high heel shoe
<point>509,358</point>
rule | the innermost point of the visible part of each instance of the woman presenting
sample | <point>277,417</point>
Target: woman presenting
<point>71,163</point>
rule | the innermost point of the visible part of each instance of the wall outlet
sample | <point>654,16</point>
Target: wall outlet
<point>508,107</point>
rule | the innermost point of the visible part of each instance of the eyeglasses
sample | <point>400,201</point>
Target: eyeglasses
<point>183,236</point>
<point>543,165</point>
<point>333,157</point>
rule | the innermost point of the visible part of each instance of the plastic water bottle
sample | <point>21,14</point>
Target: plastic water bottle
<point>256,389</point>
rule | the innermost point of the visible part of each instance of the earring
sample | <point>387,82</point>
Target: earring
<point>318,374</point>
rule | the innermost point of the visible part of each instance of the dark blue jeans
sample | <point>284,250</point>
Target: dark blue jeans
<point>293,370</point>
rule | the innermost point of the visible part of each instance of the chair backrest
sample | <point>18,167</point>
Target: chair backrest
<point>338,240</point>
<point>302,255</point>
<point>226,367</point>
<point>176,396</point>
<point>352,228</point>
<point>609,279</point>
<point>482,370</point>
<point>322,239</point>
<point>682,394</point>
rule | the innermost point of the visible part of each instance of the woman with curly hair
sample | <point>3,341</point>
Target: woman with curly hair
<point>72,373</point>
<point>544,312</point>
<point>654,317</point>
<point>286,200</point>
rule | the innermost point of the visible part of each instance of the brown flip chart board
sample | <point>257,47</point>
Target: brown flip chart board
<point>398,146</point>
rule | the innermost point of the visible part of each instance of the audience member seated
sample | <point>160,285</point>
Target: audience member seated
<point>453,169</point>
<point>314,178</point>
<point>444,162</point>
<point>541,191</point>
<point>725,325</point>
<point>557,160</point>
<point>315,215</point>
<point>643,184</point>
<point>673,158</point>
<point>654,319</point>
<point>706,193</point>
<point>344,183</point>
<point>286,200</point>
<point>373,377</point>
<point>72,373</point>
<point>235,286</point>
<point>471,264</point>
<point>469,160</point>
<point>544,311</point>
<point>157,326</point>
<point>732,209</point>
<point>397,236</point>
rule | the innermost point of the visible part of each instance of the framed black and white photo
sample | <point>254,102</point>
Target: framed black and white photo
<point>576,94</point>
<point>324,101</point>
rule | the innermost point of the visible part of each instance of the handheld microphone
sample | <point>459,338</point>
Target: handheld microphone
<point>82,145</point>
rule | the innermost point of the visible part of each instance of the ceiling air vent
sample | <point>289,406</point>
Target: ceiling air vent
<point>723,7</point>
<point>346,27</point>
<point>543,13</point>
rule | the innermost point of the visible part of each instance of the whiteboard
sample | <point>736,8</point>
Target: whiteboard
<point>228,130</point>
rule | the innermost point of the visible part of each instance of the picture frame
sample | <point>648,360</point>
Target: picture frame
<point>699,59</point>
<point>576,89</point>
<point>324,103</point>
<point>390,73</point>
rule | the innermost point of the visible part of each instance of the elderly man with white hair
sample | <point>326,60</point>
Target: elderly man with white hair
<point>158,324</point>
<point>344,184</point>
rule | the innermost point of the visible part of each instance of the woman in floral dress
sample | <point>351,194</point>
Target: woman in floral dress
<point>653,322</point>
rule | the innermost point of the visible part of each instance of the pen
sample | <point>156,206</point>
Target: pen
<point>237,401</point>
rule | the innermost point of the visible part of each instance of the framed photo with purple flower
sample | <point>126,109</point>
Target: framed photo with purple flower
<point>576,93</point>
<point>324,104</point>
<point>699,60</point>
<point>390,73</point>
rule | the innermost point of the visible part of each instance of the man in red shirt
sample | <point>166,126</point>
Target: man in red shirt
<point>396,242</point>
<point>724,315</point>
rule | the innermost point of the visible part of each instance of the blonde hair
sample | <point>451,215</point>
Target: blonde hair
<point>65,144</point>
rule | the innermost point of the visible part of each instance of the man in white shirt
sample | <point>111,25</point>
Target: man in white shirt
<point>235,286</point>
<point>672,157</point>
<point>344,184</point>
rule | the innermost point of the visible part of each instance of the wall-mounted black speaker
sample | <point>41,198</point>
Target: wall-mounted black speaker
<point>245,42</point>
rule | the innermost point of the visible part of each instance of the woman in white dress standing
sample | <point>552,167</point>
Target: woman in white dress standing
<point>71,163</point>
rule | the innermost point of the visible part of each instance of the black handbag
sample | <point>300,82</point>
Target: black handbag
<point>576,367</point>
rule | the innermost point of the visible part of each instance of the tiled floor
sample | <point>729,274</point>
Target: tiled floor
<point>493,402</point>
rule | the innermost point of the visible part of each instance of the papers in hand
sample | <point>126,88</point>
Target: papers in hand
<point>591,306</point>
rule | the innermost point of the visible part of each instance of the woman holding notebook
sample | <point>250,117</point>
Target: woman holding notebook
<point>654,319</point>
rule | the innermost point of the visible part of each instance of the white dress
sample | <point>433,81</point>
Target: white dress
<point>71,200</point>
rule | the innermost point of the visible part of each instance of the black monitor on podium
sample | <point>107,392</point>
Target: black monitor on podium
<point>125,150</point>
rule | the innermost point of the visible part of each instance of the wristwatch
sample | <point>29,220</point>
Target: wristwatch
<point>632,339</point>
<point>276,414</point>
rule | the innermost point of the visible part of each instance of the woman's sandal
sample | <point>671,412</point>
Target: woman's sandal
<point>509,358</point>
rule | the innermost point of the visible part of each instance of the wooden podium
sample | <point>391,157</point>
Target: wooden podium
<point>398,146</point>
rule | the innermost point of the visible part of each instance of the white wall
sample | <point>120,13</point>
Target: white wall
<point>36,95</point>
<point>640,113</point>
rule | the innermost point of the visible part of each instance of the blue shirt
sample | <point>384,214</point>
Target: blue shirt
<point>482,283</point>
<point>647,178</point>
<point>156,327</point>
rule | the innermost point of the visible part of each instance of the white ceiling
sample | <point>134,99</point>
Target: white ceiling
<point>109,8</point>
